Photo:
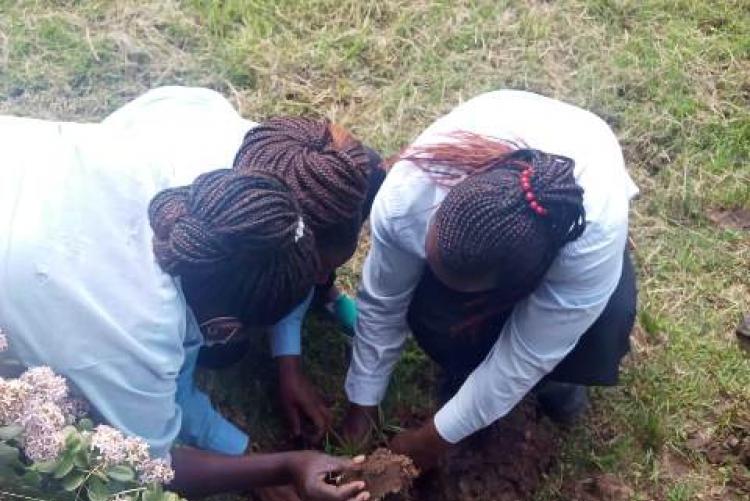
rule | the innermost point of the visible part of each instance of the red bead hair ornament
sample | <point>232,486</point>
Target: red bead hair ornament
<point>529,194</point>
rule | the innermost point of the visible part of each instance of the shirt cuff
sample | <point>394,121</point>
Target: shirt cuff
<point>365,390</point>
<point>449,425</point>
<point>226,438</point>
<point>286,336</point>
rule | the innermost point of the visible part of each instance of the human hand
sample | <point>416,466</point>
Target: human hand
<point>309,471</point>
<point>300,400</point>
<point>423,445</point>
<point>358,424</point>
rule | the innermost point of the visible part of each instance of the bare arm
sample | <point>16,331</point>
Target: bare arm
<point>200,473</point>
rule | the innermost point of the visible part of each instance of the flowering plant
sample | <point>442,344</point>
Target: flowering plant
<point>48,448</point>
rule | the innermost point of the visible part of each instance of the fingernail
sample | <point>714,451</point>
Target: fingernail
<point>359,459</point>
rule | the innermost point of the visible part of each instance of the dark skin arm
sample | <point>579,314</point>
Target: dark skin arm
<point>424,445</point>
<point>199,473</point>
<point>300,399</point>
<point>358,425</point>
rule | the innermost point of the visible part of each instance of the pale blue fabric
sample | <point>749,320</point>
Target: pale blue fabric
<point>82,292</point>
<point>285,336</point>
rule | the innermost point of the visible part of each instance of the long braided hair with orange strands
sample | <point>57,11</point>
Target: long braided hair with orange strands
<point>509,211</point>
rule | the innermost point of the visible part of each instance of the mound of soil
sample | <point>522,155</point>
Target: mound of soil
<point>504,462</point>
<point>385,474</point>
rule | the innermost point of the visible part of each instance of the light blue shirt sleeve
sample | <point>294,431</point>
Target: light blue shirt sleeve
<point>202,426</point>
<point>286,338</point>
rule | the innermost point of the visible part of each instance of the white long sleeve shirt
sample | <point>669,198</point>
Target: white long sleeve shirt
<point>544,327</point>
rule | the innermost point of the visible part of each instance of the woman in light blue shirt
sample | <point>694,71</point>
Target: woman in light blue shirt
<point>127,245</point>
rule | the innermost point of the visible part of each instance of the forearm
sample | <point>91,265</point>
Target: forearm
<point>200,473</point>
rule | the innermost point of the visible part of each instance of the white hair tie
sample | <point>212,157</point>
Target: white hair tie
<point>300,231</point>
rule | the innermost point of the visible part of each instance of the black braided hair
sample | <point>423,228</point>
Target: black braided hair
<point>486,222</point>
<point>324,166</point>
<point>237,239</point>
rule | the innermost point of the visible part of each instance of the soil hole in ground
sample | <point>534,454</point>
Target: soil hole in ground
<point>504,462</point>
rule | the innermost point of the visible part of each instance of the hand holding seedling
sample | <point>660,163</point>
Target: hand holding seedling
<point>311,469</point>
<point>301,400</point>
<point>423,445</point>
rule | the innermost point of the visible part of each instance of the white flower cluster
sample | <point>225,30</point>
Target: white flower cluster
<point>42,425</point>
<point>39,402</point>
<point>36,401</point>
<point>115,448</point>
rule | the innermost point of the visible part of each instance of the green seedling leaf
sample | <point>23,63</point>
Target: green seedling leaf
<point>121,473</point>
<point>73,481</point>
<point>10,432</point>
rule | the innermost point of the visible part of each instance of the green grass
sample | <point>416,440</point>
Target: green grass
<point>671,77</point>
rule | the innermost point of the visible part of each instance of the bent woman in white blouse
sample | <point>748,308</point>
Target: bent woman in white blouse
<point>499,241</point>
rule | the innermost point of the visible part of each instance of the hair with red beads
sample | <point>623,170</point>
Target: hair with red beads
<point>509,209</point>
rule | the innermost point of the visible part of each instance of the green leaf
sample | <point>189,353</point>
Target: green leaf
<point>32,478</point>
<point>85,424</point>
<point>10,432</point>
<point>8,454</point>
<point>171,496</point>
<point>63,466</point>
<point>45,466</point>
<point>81,459</point>
<point>73,441</point>
<point>153,493</point>
<point>121,473</point>
<point>97,490</point>
<point>73,481</point>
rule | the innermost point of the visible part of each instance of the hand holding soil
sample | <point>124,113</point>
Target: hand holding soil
<point>309,471</point>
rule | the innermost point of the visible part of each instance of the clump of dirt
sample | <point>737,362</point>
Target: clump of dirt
<point>603,487</point>
<point>734,219</point>
<point>732,449</point>
<point>385,473</point>
<point>504,462</point>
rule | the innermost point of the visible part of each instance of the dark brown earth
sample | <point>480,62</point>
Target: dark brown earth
<point>600,487</point>
<point>504,462</point>
<point>385,473</point>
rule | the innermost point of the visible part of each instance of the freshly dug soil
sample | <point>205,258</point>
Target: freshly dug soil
<point>504,462</point>
<point>385,473</point>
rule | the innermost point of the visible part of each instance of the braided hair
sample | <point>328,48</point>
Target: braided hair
<point>489,221</point>
<point>326,169</point>
<point>236,240</point>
